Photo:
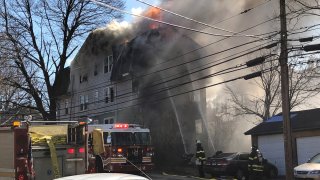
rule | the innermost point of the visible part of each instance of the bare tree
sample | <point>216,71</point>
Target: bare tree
<point>40,36</point>
<point>302,86</point>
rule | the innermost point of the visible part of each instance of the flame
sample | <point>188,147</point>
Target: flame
<point>153,13</point>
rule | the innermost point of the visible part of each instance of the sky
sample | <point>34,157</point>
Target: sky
<point>134,6</point>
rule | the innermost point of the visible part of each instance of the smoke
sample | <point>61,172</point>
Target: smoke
<point>146,47</point>
<point>155,43</point>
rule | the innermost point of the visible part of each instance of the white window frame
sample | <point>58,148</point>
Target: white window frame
<point>107,94</point>
<point>84,101</point>
<point>107,66</point>
<point>66,106</point>
<point>81,103</point>
<point>96,96</point>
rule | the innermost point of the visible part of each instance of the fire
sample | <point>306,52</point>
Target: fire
<point>153,13</point>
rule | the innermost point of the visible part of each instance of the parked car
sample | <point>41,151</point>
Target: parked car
<point>236,165</point>
<point>310,170</point>
<point>103,176</point>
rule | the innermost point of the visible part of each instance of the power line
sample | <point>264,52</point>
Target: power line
<point>163,98</point>
<point>213,65</point>
<point>211,75</point>
<point>193,20</point>
<point>142,76</point>
<point>241,13</point>
<point>166,23</point>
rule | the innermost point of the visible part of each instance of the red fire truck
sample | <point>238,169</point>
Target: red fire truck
<point>119,148</point>
<point>42,150</point>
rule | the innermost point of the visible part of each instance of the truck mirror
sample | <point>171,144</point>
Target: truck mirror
<point>109,139</point>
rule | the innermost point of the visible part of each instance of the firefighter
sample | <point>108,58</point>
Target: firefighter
<point>200,158</point>
<point>255,165</point>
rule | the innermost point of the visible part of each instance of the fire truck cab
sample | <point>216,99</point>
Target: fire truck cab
<point>43,150</point>
<point>119,148</point>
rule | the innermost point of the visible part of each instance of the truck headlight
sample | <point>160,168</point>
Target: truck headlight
<point>315,172</point>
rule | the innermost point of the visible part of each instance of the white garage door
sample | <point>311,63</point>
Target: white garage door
<point>272,149</point>
<point>307,147</point>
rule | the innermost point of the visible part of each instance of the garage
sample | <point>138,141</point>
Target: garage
<point>305,137</point>
<point>307,147</point>
<point>271,147</point>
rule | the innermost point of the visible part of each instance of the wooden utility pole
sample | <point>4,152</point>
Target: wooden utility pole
<point>285,93</point>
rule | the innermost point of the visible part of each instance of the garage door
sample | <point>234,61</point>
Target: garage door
<point>272,149</point>
<point>307,147</point>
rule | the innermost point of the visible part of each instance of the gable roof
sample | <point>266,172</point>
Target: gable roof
<point>300,121</point>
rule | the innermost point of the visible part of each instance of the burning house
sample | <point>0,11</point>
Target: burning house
<point>137,79</point>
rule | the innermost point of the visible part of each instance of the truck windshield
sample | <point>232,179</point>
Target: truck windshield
<point>129,138</point>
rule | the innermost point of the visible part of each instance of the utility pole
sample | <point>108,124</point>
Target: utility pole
<point>285,93</point>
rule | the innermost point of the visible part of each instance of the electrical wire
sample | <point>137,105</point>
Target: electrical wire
<point>193,20</point>
<point>169,24</point>
<point>164,98</point>
<point>211,75</point>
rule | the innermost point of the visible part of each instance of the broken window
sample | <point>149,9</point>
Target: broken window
<point>83,78</point>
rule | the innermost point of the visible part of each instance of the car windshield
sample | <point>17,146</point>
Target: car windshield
<point>315,159</point>
<point>129,138</point>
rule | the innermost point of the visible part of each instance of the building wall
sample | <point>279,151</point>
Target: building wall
<point>89,80</point>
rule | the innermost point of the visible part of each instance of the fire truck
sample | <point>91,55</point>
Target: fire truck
<point>43,150</point>
<point>119,148</point>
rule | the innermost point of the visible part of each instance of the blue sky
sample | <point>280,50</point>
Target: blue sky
<point>133,5</point>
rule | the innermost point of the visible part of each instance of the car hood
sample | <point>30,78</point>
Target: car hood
<point>103,176</point>
<point>308,167</point>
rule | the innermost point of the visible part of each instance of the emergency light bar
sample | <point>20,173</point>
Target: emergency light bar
<point>121,126</point>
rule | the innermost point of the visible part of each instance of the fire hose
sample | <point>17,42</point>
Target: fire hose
<point>40,139</point>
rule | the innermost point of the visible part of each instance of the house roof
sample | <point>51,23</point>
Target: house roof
<point>300,121</point>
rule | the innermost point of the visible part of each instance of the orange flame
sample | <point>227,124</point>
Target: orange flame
<point>153,13</point>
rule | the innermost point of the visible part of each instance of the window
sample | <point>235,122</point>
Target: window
<point>83,78</point>
<point>84,100</point>
<point>128,138</point>
<point>66,107</point>
<point>1,101</point>
<point>243,156</point>
<point>95,71</point>
<point>108,64</point>
<point>108,121</point>
<point>109,94</point>
<point>96,96</point>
